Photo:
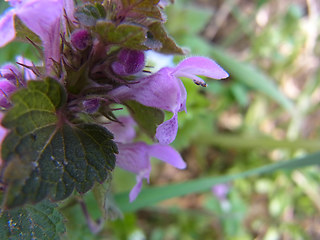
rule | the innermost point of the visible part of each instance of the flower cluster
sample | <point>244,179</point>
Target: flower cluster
<point>96,52</point>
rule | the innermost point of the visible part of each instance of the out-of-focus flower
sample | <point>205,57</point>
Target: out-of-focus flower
<point>221,191</point>
<point>166,91</point>
<point>135,157</point>
<point>41,17</point>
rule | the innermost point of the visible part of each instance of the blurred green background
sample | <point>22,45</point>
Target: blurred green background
<point>266,112</point>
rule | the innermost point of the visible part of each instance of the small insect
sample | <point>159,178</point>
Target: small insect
<point>200,83</point>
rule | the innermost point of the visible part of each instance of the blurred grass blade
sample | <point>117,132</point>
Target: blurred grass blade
<point>251,76</point>
<point>150,196</point>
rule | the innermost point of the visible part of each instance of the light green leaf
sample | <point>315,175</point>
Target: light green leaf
<point>148,118</point>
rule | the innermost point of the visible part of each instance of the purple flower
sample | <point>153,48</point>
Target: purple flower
<point>221,191</point>
<point>135,157</point>
<point>129,62</point>
<point>28,74</point>
<point>81,39</point>
<point>166,91</point>
<point>91,105</point>
<point>6,89</point>
<point>12,74</point>
<point>3,134</point>
<point>123,130</point>
<point>41,17</point>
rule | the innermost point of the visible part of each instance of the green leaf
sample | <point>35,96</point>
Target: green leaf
<point>44,155</point>
<point>126,34</point>
<point>157,32</point>
<point>40,221</point>
<point>105,202</point>
<point>23,32</point>
<point>148,118</point>
<point>77,78</point>
<point>88,14</point>
<point>150,196</point>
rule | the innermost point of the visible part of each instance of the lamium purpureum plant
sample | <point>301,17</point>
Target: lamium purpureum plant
<point>62,129</point>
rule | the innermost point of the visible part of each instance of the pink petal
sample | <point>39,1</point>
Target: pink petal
<point>124,131</point>
<point>7,31</point>
<point>160,90</point>
<point>167,131</point>
<point>167,154</point>
<point>68,5</point>
<point>39,15</point>
<point>200,66</point>
<point>51,44</point>
<point>134,157</point>
<point>43,18</point>
<point>28,74</point>
<point>135,190</point>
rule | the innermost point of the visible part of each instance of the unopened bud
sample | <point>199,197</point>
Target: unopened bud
<point>129,62</point>
<point>81,39</point>
<point>91,106</point>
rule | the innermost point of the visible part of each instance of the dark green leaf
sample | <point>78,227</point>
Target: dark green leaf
<point>126,35</point>
<point>40,221</point>
<point>157,32</point>
<point>46,157</point>
<point>77,78</point>
<point>148,118</point>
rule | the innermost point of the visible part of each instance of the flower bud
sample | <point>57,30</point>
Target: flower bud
<point>129,62</point>
<point>6,89</point>
<point>81,39</point>
<point>91,105</point>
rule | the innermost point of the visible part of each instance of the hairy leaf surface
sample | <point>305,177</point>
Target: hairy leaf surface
<point>40,221</point>
<point>126,34</point>
<point>44,155</point>
<point>142,8</point>
<point>157,32</point>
